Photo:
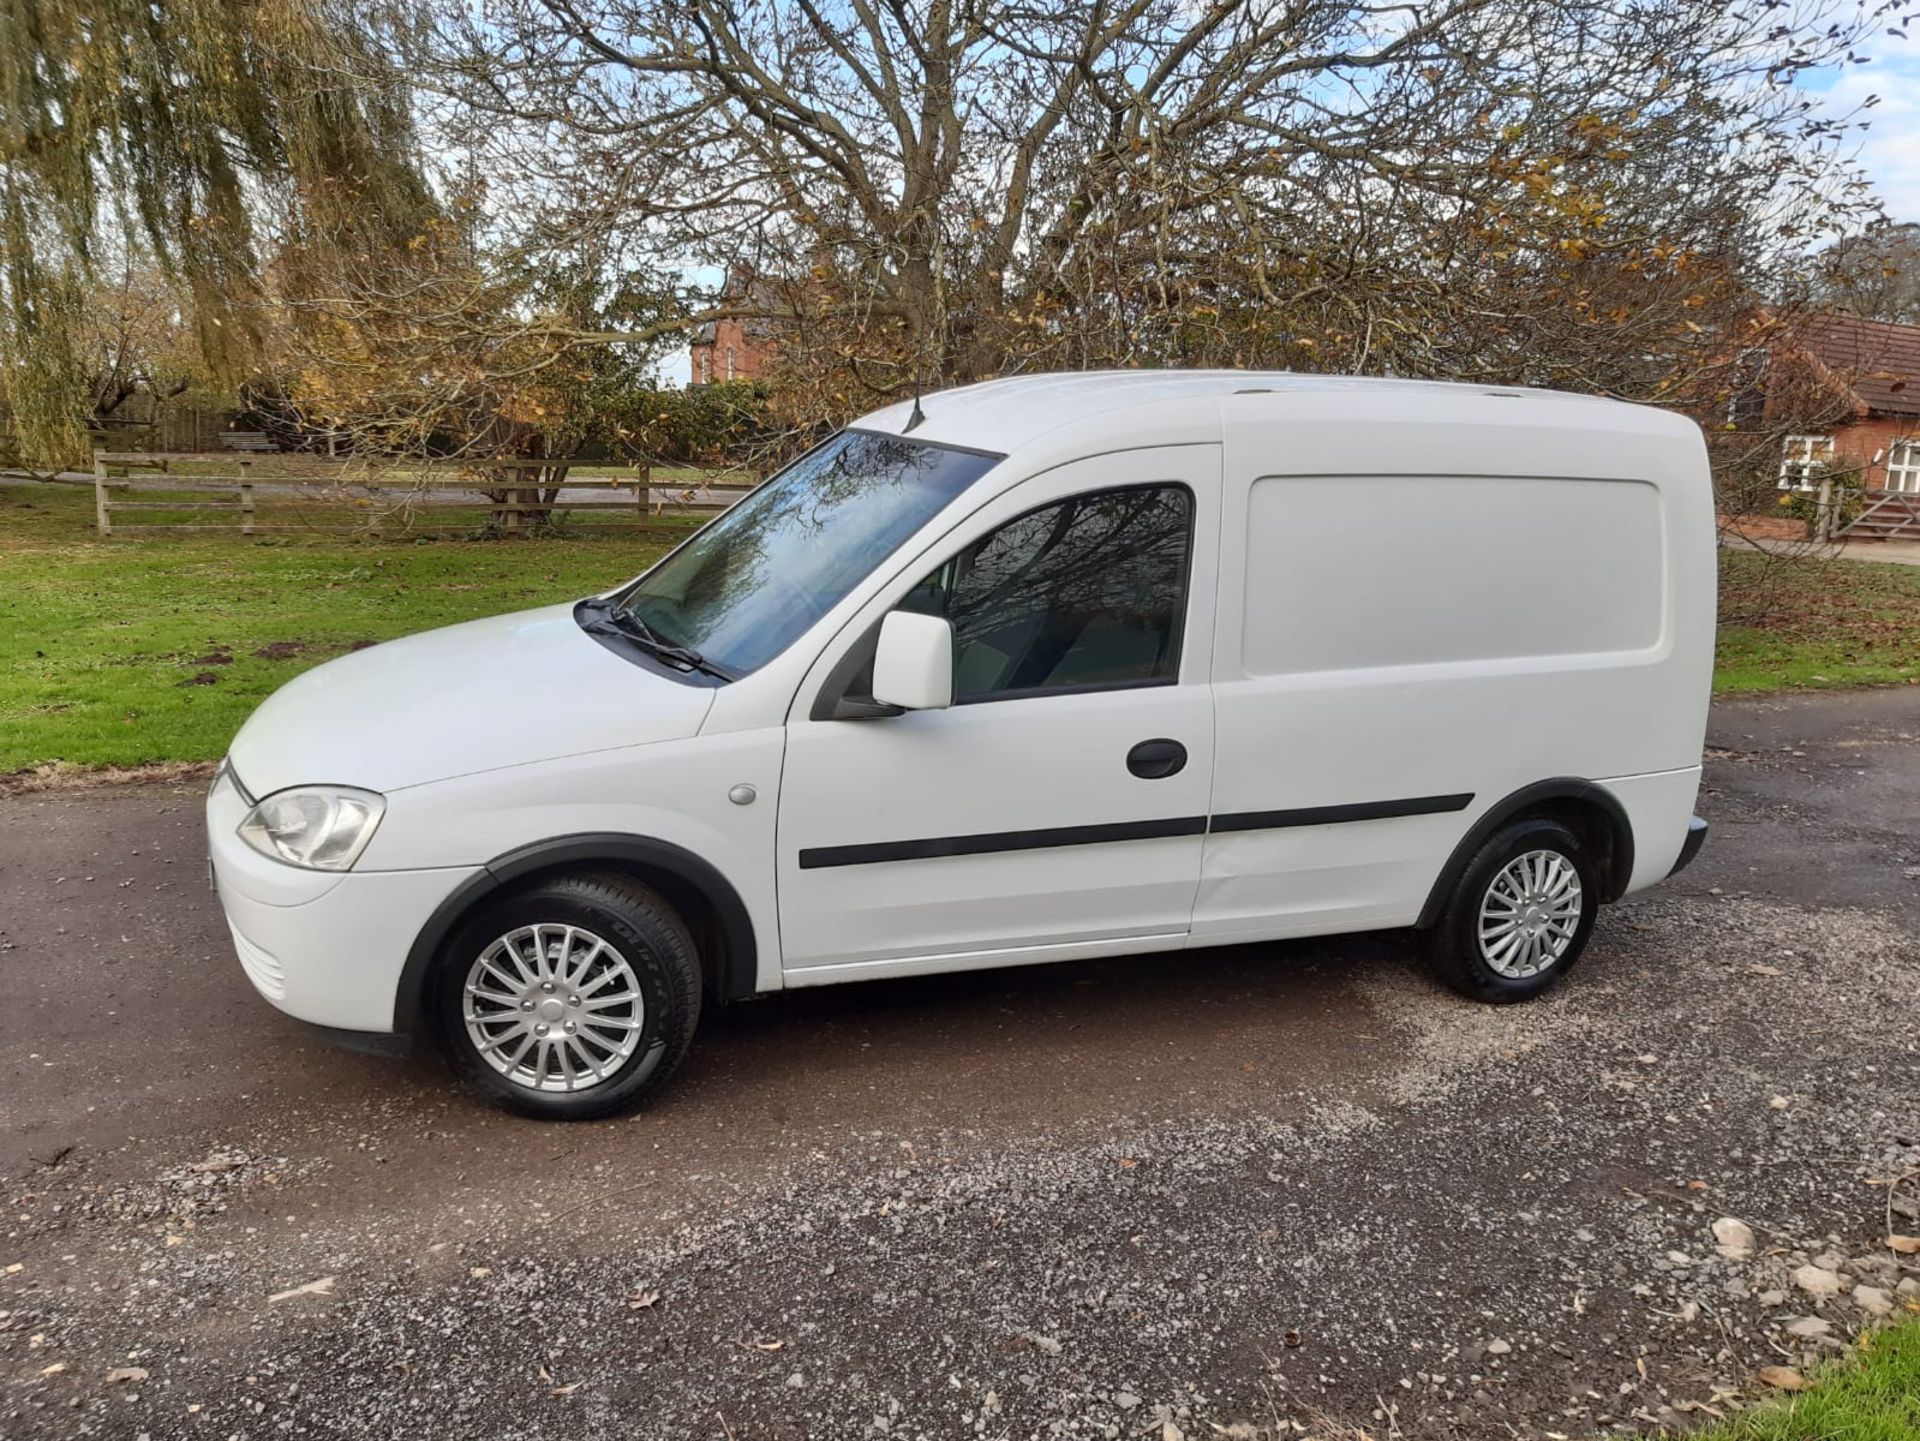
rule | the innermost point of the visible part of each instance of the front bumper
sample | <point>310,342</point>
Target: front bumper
<point>326,948</point>
<point>1690,847</point>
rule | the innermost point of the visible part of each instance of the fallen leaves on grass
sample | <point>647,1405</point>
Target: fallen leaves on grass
<point>64,776</point>
<point>1782,1378</point>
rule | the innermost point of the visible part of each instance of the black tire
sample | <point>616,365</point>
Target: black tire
<point>1453,946</point>
<point>639,928</point>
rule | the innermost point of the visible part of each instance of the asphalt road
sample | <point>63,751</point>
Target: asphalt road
<point>1247,1193</point>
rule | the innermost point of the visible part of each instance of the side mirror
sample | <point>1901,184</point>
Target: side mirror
<point>913,663</point>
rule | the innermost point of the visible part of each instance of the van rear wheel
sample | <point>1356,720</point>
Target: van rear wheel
<point>571,1000</point>
<point>1519,916</point>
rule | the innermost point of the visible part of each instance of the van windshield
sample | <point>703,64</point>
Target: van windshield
<point>744,588</point>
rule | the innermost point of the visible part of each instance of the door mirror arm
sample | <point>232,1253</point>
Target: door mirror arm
<point>853,707</point>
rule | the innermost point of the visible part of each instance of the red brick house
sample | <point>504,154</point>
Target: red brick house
<point>1862,378</point>
<point>736,348</point>
<point>732,349</point>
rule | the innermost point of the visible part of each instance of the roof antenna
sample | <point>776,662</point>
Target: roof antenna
<point>919,416</point>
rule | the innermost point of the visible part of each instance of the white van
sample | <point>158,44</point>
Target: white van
<point>1043,668</point>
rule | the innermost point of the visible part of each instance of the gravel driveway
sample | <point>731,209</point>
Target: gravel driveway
<point>1251,1193</point>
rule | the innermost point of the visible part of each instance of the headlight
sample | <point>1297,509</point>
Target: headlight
<point>323,828</point>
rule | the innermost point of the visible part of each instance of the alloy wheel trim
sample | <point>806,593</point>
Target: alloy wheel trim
<point>1529,914</point>
<point>553,1008</point>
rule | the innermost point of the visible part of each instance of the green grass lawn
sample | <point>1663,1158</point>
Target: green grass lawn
<point>1873,1395</point>
<point>155,648</point>
<point>1799,624</point>
<point>122,652</point>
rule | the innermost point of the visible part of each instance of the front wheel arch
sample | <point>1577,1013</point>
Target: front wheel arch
<point>710,905</point>
<point>1591,811</point>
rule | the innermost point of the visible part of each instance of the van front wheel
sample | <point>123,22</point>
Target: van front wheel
<point>570,1000</point>
<point>1520,915</point>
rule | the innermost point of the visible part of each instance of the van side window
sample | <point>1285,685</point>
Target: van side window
<point>1089,593</point>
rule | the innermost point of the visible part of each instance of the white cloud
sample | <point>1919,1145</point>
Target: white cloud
<point>1890,149</point>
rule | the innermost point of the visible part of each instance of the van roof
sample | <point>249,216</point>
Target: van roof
<point>1002,415</point>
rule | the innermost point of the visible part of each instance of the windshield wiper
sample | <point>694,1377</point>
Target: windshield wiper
<point>676,654</point>
<point>638,631</point>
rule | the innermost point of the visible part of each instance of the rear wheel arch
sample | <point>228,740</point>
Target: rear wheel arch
<point>1590,811</point>
<point>707,902</point>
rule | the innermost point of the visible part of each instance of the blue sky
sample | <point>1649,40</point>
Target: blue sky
<point>1890,149</point>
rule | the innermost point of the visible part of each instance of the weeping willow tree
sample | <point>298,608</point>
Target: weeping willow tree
<point>202,136</point>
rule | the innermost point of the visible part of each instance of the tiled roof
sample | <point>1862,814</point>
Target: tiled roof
<point>1878,361</point>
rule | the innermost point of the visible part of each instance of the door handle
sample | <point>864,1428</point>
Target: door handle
<point>1157,759</point>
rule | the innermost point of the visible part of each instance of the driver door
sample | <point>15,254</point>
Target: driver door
<point>1058,807</point>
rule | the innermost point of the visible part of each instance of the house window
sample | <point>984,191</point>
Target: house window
<point>1803,459</point>
<point>729,362</point>
<point>1903,466</point>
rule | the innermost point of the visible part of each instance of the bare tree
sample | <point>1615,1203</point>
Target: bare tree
<point>137,341</point>
<point>1560,191</point>
<point>1875,275</point>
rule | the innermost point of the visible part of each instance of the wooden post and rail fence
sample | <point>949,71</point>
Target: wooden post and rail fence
<point>258,494</point>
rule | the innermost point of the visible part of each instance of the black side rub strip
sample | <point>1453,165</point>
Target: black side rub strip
<point>937,847</point>
<point>1329,815</point>
<point>940,846</point>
